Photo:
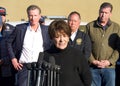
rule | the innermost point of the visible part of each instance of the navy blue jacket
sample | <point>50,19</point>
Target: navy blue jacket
<point>82,43</point>
<point>6,68</point>
<point>15,41</point>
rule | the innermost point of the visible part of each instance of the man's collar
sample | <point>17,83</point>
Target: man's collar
<point>107,25</point>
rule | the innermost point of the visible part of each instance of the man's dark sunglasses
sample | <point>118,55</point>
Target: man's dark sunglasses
<point>2,15</point>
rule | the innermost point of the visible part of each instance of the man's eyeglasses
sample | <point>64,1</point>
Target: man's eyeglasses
<point>2,15</point>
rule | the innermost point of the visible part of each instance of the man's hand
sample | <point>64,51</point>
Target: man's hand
<point>16,64</point>
<point>96,62</point>
<point>1,62</point>
<point>104,63</point>
<point>101,64</point>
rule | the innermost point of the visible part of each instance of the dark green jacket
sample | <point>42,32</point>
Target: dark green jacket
<point>104,41</point>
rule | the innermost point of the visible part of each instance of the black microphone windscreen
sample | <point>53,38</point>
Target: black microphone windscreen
<point>28,65</point>
<point>52,60</point>
<point>40,58</point>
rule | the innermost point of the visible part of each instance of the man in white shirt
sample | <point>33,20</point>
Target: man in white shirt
<point>26,41</point>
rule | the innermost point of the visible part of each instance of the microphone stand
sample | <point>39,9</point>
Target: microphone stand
<point>39,69</point>
<point>51,78</point>
<point>48,75</point>
<point>58,75</point>
<point>54,79</point>
<point>43,77</point>
<point>29,74</point>
<point>38,80</point>
<point>34,65</point>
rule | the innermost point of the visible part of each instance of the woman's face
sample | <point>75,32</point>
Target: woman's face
<point>61,40</point>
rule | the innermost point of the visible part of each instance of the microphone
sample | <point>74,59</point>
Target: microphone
<point>57,68</point>
<point>52,72</point>
<point>39,64</point>
<point>52,62</point>
<point>40,59</point>
<point>29,74</point>
<point>55,71</point>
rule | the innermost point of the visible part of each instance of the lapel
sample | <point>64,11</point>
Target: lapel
<point>23,31</point>
<point>72,43</point>
<point>77,34</point>
<point>43,32</point>
<point>77,37</point>
<point>42,27</point>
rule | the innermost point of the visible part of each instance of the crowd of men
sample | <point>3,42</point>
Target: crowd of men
<point>98,41</point>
